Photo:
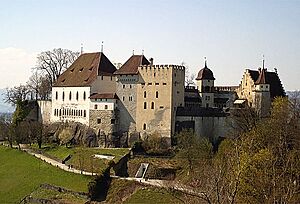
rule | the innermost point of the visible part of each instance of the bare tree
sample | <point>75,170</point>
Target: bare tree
<point>12,95</point>
<point>55,62</point>
<point>39,85</point>
<point>189,78</point>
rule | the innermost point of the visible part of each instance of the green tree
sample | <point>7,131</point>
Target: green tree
<point>270,157</point>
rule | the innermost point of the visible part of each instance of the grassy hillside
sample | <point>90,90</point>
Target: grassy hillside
<point>21,173</point>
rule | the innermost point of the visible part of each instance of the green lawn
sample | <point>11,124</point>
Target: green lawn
<point>82,157</point>
<point>21,173</point>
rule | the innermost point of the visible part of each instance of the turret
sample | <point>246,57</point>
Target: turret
<point>205,85</point>
<point>262,98</point>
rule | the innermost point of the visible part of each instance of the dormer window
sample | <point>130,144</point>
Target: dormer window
<point>91,68</point>
<point>63,80</point>
<point>80,70</point>
<point>72,70</point>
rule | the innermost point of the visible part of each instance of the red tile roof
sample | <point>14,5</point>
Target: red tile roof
<point>132,64</point>
<point>85,70</point>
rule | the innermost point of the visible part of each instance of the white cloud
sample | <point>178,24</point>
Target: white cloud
<point>15,66</point>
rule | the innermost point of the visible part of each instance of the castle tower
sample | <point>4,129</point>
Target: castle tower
<point>205,86</point>
<point>262,98</point>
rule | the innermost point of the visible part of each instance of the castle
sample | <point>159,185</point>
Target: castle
<point>141,98</point>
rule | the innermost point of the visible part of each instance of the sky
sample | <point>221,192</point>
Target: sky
<point>233,35</point>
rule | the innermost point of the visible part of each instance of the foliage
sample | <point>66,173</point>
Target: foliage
<point>191,149</point>
<point>98,187</point>
<point>155,144</point>
<point>270,157</point>
<point>21,112</point>
<point>21,173</point>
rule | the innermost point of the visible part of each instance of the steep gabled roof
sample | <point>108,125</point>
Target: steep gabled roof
<point>85,70</point>
<point>262,77</point>
<point>272,78</point>
<point>132,64</point>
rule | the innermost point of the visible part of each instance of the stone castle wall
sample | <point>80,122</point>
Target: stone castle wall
<point>159,91</point>
<point>105,124</point>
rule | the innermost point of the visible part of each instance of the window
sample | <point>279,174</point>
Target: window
<point>145,94</point>
<point>111,78</point>
<point>59,112</point>
<point>130,86</point>
<point>84,95</point>
<point>123,98</point>
<point>84,113</point>
<point>152,105</point>
<point>77,95</point>
<point>63,95</point>
<point>156,94</point>
<point>112,121</point>
<point>70,96</point>
<point>154,74</point>
<point>98,120</point>
<point>101,77</point>
<point>106,107</point>
<point>161,107</point>
<point>156,84</point>
<point>164,84</point>
<point>54,112</point>
<point>80,112</point>
<point>145,105</point>
<point>144,126</point>
<point>56,95</point>
<point>96,106</point>
<point>123,86</point>
<point>149,83</point>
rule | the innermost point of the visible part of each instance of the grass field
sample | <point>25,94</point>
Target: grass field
<point>21,173</point>
<point>82,157</point>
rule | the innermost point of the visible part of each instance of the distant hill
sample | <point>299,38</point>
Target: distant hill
<point>5,107</point>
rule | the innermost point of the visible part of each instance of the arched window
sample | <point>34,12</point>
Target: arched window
<point>70,96</point>
<point>156,94</point>
<point>56,95</point>
<point>145,105</point>
<point>63,95</point>
<point>152,105</point>
<point>144,126</point>
<point>145,94</point>
<point>77,95</point>
<point>84,95</point>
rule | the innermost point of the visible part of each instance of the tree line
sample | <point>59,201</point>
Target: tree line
<point>49,66</point>
<point>260,164</point>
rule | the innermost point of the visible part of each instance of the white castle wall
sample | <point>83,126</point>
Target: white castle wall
<point>74,109</point>
<point>44,114</point>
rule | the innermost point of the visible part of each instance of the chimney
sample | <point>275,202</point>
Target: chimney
<point>151,61</point>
